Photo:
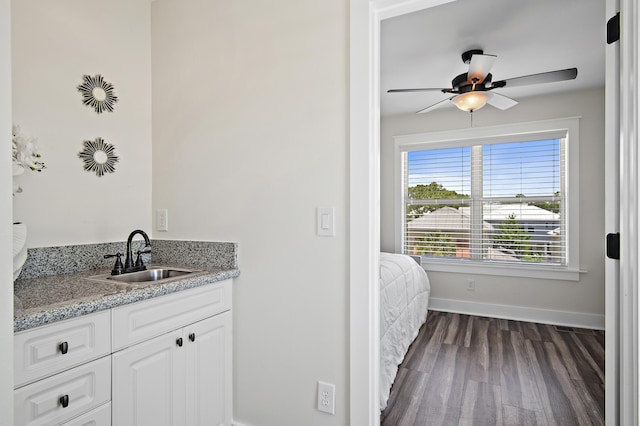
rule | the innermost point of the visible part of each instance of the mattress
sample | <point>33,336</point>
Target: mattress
<point>404,301</point>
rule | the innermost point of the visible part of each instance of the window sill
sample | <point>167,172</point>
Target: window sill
<point>501,269</point>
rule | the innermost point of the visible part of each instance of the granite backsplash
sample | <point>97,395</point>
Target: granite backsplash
<point>45,261</point>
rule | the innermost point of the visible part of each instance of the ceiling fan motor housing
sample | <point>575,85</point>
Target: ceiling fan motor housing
<point>461,84</point>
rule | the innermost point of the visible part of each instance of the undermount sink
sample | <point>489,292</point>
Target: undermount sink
<point>155,274</point>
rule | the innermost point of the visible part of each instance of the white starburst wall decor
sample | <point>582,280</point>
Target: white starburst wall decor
<point>97,93</point>
<point>98,156</point>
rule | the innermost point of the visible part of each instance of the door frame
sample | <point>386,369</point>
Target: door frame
<point>612,221</point>
<point>364,200</point>
<point>627,346</point>
<point>6,215</point>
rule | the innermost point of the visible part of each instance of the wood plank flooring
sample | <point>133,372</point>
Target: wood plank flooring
<point>476,371</point>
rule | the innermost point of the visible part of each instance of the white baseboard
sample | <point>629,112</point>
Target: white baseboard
<point>234,423</point>
<point>519,313</point>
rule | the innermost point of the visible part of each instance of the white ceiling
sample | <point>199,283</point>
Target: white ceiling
<point>423,49</point>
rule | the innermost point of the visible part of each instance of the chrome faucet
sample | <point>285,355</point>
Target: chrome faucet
<point>129,265</point>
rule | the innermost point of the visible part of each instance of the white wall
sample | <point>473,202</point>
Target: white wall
<point>6,237</point>
<point>250,136</point>
<point>585,296</point>
<point>54,44</point>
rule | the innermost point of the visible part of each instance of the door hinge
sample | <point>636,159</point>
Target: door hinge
<point>613,29</point>
<point>613,246</point>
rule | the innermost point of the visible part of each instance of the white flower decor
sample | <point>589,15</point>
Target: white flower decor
<point>25,156</point>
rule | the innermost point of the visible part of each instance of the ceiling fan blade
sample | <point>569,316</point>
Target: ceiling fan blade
<point>423,89</point>
<point>544,77</point>
<point>436,105</point>
<point>500,101</point>
<point>480,66</point>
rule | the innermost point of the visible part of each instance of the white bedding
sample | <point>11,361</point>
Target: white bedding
<point>404,299</point>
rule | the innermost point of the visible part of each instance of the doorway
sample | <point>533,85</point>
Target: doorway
<point>365,196</point>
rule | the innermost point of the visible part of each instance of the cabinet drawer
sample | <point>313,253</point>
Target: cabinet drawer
<point>49,349</point>
<point>84,388</point>
<point>143,320</point>
<point>101,416</point>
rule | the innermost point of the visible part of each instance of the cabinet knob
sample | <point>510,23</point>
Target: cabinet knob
<point>179,342</point>
<point>64,401</point>
<point>63,347</point>
<point>192,337</point>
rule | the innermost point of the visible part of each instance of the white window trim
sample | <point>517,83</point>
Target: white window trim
<point>514,132</point>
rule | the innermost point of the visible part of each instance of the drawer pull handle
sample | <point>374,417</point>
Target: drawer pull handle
<point>63,347</point>
<point>192,337</point>
<point>64,401</point>
<point>179,342</point>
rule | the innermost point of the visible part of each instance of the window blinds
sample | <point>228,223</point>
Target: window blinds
<point>495,202</point>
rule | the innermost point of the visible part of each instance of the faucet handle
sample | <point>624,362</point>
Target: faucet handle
<point>118,267</point>
<point>139,262</point>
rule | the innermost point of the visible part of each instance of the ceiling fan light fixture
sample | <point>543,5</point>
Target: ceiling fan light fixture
<point>471,101</point>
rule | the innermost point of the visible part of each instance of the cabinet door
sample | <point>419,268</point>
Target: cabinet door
<point>149,384</point>
<point>209,376</point>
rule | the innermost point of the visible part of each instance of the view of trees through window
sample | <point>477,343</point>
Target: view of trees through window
<point>500,202</point>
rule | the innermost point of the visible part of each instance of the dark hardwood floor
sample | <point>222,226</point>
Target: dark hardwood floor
<point>469,370</point>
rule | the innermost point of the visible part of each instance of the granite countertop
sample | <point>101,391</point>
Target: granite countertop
<point>48,299</point>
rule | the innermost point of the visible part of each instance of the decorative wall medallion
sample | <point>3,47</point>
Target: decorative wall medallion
<point>97,93</point>
<point>98,156</point>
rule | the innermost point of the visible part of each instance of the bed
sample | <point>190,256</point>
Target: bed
<point>404,299</point>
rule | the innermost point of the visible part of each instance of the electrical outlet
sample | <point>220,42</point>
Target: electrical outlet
<point>471,285</point>
<point>327,397</point>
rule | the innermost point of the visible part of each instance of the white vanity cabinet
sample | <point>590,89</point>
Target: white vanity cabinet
<point>174,367</point>
<point>166,360</point>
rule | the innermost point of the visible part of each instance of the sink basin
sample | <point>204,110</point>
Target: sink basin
<point>155,274</point>
<point>152,276</point>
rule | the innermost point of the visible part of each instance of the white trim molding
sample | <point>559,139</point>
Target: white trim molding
<point>6,230</point>
<point>519,313</point>
<point>503,270</point>
<point>364,213</point>
<point>629,214</point>
<point>390,8</point>
<point>612,223</point>
<point>364,200</point>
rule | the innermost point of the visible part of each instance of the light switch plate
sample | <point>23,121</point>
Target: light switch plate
<point>162,220</point>
<point>325,221</point>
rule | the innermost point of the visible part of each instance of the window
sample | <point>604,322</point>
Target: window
<point>499,198</point>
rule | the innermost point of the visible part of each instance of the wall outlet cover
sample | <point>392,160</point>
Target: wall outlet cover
<point>327,397</point>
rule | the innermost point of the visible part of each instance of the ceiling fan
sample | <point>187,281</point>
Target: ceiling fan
<point>474,89</point>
